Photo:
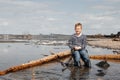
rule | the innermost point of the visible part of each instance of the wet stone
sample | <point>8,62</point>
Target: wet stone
<point>103,64</point>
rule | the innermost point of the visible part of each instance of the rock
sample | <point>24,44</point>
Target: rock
<point>116,52</point>
<point>103,64</point>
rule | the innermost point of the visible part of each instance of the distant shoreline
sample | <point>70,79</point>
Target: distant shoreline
<point>109,43</point>
<point>13,41</point>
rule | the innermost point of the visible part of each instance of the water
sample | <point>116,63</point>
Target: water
<point>17,53</point>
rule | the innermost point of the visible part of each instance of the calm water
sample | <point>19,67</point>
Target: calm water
<point>17,53</point>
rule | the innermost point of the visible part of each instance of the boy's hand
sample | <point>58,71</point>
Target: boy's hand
<point>77,47</point>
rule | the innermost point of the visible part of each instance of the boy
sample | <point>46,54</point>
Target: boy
<point>77,43</point>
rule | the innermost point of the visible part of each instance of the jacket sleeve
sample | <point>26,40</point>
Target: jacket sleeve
<point>84,42</point>
<point>70,43</point>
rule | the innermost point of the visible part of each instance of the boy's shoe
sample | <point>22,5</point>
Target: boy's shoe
<point>88,64</point>
<point>77,64</point>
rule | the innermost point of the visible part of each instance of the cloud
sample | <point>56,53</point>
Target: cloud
<point>103,7</point>
<point>113,0</point>
<point>36,16</point>
<point>24,3</point>
<point>94,18</point>
<point>51,19</point>
<point>4,22</point>
<point>100,23</point>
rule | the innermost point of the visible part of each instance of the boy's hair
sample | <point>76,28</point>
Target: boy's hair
<point>78,24</point>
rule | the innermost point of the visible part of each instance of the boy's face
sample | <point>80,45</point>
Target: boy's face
<point>78,29</point>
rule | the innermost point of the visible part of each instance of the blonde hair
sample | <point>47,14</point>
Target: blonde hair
<point>78,24</point>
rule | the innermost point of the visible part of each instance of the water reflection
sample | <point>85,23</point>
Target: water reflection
<point>101,72</point>
<point>52,71</point>
<point>77,73</point>
<point>104,66</point>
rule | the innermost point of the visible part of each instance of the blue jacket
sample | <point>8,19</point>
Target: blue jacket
<point>77,41</point>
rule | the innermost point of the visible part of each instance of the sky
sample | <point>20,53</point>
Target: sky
<point>59,16</point>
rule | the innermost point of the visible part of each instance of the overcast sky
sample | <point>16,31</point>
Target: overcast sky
<point>59,16</point>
